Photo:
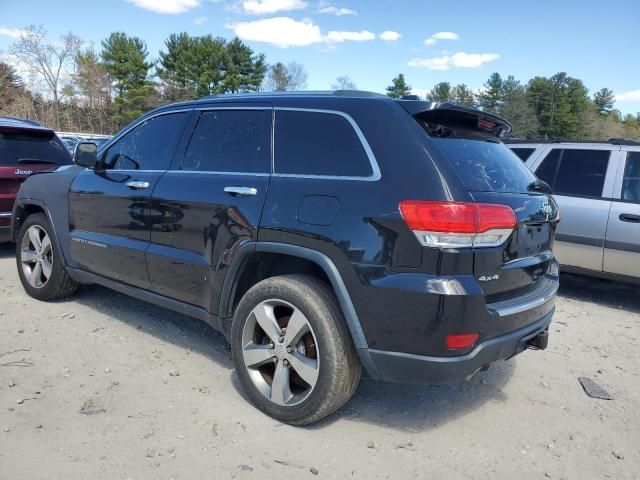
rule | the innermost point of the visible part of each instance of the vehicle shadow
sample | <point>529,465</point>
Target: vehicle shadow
<point>168,326</point>
<point>7,250</point>
<point>405,407</point>
<point>607,293</point>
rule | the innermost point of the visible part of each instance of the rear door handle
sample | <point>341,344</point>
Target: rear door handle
<point>628,217</point>
<point>243,191</point>
<point>137,184</point>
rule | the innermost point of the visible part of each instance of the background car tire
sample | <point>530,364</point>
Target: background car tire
<point>58,284</point>
<point>339,367</point>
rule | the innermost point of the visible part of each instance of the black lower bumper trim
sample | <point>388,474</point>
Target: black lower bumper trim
<point>5,233</point>
<point>409,368</point>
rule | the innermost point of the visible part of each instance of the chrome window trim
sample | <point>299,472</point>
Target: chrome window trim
<point>198,172</point>
<point>375,169</point>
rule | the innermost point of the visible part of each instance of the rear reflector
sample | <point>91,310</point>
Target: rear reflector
<point>458,224</point>
<point>459,342</point>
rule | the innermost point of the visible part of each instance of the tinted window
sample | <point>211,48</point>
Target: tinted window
<point>17,148</point>
<point>631,181</point>
<point>313,143</point>
<point>547,170</point>
<point>149,146</point>
<point>486,166</point>
<point>523,153</point>
<point>230,141</point>
<point>582,172</point>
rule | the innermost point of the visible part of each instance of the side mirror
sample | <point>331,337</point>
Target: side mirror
<point>86,154</point>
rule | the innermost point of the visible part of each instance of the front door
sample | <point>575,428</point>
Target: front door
<point>209,203</point>
<point>622,246</point>
<point>109,206</point>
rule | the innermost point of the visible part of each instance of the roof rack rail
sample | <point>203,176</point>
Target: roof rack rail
<point>17,119</point>
<point>611,141</point>
<point>293,93</point>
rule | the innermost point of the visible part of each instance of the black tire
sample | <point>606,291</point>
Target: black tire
<point>339,366</point>
<point>59,284</point>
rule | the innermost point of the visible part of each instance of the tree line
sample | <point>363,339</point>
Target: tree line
<point>69,86</point>
<point>553,108</point>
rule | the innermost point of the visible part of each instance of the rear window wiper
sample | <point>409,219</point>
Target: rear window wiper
<point>36,160</point>
<point>539,186</point>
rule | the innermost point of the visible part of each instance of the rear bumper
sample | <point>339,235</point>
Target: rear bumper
<point>410,368</point>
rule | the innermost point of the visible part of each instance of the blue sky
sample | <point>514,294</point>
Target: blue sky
<point>461,41</point>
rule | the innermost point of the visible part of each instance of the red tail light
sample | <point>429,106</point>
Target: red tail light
<point>459,224</point>
<point>459,342</point>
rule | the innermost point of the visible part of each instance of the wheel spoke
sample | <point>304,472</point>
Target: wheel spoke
<point>36,274</point>
<point>46,268</point>
<point>280,388</point>
<point>256,355</point>
<point>27,256</point>
<point>306,367</point>
<point>296,328</point>
<point>34,236</point>
<point>46,244</point>
<point>267,320</point>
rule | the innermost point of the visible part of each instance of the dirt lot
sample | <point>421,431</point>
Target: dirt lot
<point>106,387</point>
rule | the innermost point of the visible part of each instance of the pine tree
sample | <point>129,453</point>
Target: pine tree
<point>125,59</point>
<point>489,98</point>
<point>603,101</point>
<point>462,95</point>
<point>441,92</point>
<point>399,87</point>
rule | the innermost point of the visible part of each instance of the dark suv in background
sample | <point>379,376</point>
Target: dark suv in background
<point>320,232</point>
<point>25,147</point>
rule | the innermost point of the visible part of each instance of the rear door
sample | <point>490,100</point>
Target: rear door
<point>210,202</point>
<point>23,152</point>
<point>109,207</point>
<point>622,244</point>
<point>582,178</point>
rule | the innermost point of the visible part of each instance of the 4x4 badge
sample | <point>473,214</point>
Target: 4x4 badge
<point>488,278</point>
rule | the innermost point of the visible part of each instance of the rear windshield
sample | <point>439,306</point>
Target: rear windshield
<point>21,148</point>
<point>486,165</point>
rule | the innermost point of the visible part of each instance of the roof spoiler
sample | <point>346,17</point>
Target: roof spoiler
<point>451,115</point>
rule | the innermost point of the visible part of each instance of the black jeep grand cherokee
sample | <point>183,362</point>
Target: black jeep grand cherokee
<point>320,232</point>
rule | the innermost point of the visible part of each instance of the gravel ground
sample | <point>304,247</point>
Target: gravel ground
<point>102,386</point>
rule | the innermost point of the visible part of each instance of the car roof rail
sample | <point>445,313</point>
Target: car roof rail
<point>296,93</point>
<point>24,120</point>
<point>611,141</point>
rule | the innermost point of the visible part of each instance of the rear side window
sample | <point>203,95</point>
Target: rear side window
<point>523,153</point>
<point>631,181</point>
<point>485,165</point>
<point>575,172</point>
<point>230,141</point>
<point>24,147</point>
<point>149,146</point>
<point>317,143</point>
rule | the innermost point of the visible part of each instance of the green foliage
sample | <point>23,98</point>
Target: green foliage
<point>398,87</point>
<point>491,95</point>
<point>462,95</point>
<point>441,92</point>
<point>603,101</point>
<point>125,59</point>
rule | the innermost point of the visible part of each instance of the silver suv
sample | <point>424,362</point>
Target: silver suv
<point>597,186</point>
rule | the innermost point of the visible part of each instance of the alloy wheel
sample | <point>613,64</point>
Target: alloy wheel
<point>36,256</point>
<point>280,352</point>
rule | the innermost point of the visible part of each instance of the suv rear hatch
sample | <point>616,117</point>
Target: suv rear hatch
<point>514,264</point>
<point>23,151</point>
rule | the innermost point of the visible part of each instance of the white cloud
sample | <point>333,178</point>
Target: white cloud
<point>433,39</point>
<point>460,60</point>
<point>12,32</point>
<point>445,36</point>
<point>281,31</point>
<point>390,36</point>
<point>631,96</point>
<point>338,12</point>
<point>262,7</point>
<point>421,92</point>
<point>200,20</point>
<point>338,37</point>
<point>286,32</point>
<point>166,6</point>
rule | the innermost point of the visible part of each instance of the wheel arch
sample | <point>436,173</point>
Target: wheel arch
<point>239,268</point>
